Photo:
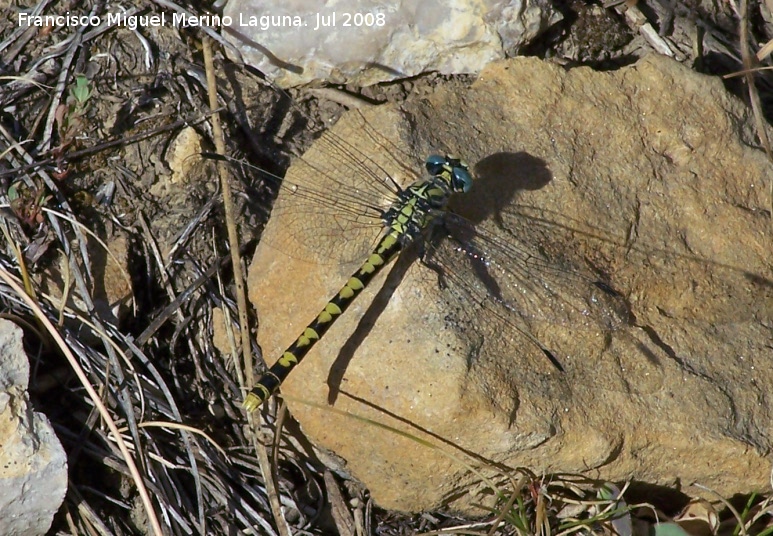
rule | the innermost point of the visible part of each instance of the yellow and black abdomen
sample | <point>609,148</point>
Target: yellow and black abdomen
<point>387,249</point>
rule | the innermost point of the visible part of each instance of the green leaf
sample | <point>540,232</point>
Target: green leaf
<point>81,91</point>
<point>667,529</point>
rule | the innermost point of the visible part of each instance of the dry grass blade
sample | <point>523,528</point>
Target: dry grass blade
<point>105,414</point>
<point>741,526</point>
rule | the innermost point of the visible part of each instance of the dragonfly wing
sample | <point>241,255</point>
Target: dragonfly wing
<point>544,309</point>
<point>332,200</point>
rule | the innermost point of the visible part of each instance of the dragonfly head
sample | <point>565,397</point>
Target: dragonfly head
<point>454,171</point>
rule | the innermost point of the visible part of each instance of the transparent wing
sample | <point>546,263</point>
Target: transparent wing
<point>549,311</point>
<point>332,200</point>
<point>540,288</point>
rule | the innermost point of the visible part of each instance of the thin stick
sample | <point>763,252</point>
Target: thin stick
<point>233,237</point>
<point>260,449</point>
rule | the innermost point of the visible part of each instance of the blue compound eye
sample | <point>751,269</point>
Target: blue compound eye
<point>461,179</point>
<point>435,164</point>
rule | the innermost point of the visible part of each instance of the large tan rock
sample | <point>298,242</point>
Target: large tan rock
<point>649,174</point>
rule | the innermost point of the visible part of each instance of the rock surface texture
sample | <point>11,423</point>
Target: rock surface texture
<point>33,464</point>
<point>365,42</point>
<point>650,177</point>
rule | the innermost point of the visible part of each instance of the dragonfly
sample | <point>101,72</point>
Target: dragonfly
<point>493,277</point>
<point>415,211</point>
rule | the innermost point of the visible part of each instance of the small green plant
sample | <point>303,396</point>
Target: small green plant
<point>70,115</point>
<point>81,91</point>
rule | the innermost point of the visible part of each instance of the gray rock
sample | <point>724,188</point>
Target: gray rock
<point>33,464</point>
<point>365,42</point>
<point>650,174</point>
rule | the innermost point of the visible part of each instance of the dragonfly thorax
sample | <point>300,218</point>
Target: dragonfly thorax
<point>417,206</point>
